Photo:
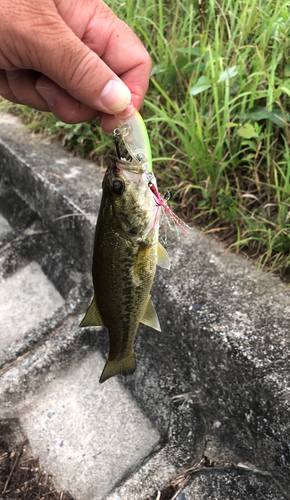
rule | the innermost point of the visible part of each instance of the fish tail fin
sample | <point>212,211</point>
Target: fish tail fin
<point>126,366</point>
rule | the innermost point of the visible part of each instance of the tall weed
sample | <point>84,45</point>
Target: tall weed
<point>217,111</point>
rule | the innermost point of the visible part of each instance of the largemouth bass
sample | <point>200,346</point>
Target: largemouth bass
<point>126,252</point>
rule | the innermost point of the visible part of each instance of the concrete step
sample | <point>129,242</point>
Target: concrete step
<point>233,485</point>
<point>214,383</point>
<point>26,298</point>
<point>5,227</point>
<point>89,436</point>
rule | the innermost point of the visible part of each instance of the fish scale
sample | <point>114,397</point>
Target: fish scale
<point>121,298</point>
<point>124,266</point>
<point>126,250</point>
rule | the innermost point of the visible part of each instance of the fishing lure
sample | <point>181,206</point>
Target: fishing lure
<point>133,131</point>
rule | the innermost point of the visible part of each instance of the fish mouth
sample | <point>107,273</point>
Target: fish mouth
<point>131,176</point>
<point>130,170</point>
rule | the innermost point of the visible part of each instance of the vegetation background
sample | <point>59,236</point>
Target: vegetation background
<point>216,113</point>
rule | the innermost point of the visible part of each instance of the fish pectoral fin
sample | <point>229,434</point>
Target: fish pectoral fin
<point>150,317</point>
<point>162,257</point>
<point>125,366</point>
<point>92,317</point>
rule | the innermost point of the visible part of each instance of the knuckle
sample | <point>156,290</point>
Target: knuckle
<point>5,90</point>
<point>77,113</point>
<point>103,11</point>
<point>80,70</point>
<point>147,61</point>
<point>9,96</point>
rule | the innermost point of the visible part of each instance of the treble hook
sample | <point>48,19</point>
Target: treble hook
<point>116,136</point>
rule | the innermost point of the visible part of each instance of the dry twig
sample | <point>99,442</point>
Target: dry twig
<point>18,455</point>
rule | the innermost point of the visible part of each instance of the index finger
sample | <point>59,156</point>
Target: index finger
<point>112,40</point>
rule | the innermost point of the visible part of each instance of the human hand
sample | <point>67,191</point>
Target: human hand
<point>74,58</point>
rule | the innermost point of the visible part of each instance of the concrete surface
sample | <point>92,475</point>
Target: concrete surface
<point>4,226</point>
<point>87,435</point>
<point>229,484</point>
<point>52,183</point>
<point>26,298</point>
<point>214,383</point>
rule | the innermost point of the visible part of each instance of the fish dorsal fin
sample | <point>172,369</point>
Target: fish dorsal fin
<point>92,317</point>
<point>149,317</point>
<point>162,257</point>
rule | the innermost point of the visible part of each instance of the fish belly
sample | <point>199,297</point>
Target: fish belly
<point>123,272</point>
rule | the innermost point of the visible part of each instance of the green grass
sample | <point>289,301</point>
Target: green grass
<point>217,114</point>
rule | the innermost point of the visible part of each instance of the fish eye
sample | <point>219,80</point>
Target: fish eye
<point>117,187</point>
<point>140,156</point>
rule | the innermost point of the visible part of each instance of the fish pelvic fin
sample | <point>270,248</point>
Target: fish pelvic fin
<point>162,257</point>
<point>150,317</point>
<point>126,366</point>
<point>92,317</point>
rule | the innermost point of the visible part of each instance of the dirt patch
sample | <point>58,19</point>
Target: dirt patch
<point>21,475</point>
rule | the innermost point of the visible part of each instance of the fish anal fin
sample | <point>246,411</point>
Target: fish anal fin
<point>150,317</point>
<point>162,257</point>
<point>92,317</point>
<point>126,366</point>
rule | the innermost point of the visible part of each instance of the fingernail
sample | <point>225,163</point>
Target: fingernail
<point>47,94</point>
<point>115,96</point>
<point>12,74</point>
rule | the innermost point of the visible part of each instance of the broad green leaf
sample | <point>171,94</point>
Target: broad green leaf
<point>189,67</point>
<point>276,117</point>
<point>247,131</point>
<point>203,83</point>
<point>285,15</point>
<point>256,113</point>
<point>284,89</point>
<point>157,69</point>
<point>196,51</point>
<point>227,74</point>
<point>181,61</point>
<point>231,124</point>
<point>206,55</point>
<point>169,75</point>
<point>250,144</point>
<point>287,70</point>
